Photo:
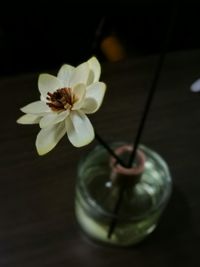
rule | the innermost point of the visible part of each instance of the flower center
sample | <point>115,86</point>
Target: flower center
<point>61,99</point>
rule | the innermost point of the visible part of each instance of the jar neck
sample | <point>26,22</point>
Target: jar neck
<point>123,176</point>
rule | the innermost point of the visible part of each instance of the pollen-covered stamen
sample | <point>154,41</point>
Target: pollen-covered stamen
<point>61,99</point>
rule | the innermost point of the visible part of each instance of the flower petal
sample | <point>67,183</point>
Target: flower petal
<point>79,129</point>
<point>97,92</point>
<point>89,105</point>
<point>48,83</point>
<point>79,91</point>
<point>48,137</point>
<point>53,118</point>
<point>65,73</point>
<point>29,119</point>
<point>95,70</point>
<point>195,86</point>
<point>80,74</point>
<point>37,107</point>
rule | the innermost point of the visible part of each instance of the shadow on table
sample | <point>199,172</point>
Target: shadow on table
<point>175,238</point>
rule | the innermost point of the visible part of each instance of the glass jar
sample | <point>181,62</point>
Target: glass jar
<point>115,205</point>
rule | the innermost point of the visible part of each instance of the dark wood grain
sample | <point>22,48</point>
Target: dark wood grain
<point>37,222</point>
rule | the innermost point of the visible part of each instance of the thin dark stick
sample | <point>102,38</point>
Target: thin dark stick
<point>116,211</point>
<point>152,89</point>
<point>146,110</point>
<point>108,148</point>
<point>98,33</point>
<point>97,36</point>
<point>145,113</point>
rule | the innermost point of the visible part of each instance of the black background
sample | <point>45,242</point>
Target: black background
<point>37,36</point>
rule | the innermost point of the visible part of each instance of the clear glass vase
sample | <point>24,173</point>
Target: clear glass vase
<point>145,194</point>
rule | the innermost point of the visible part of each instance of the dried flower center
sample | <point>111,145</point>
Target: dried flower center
<point>61,99</point>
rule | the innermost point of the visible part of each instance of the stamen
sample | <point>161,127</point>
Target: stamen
<point>61,99</point>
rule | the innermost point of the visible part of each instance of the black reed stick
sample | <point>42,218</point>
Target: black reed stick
<point>97,36</point>
<point>98,33</point>
<point>108,148</point>
<point>145,113</point>
<point>146,109</point>
<point>153,86</point>
<point>116,210</point>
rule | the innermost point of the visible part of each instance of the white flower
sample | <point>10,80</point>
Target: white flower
<point>65,100</point>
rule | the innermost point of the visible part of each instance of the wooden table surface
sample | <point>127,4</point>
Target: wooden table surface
<point>37,222</point>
